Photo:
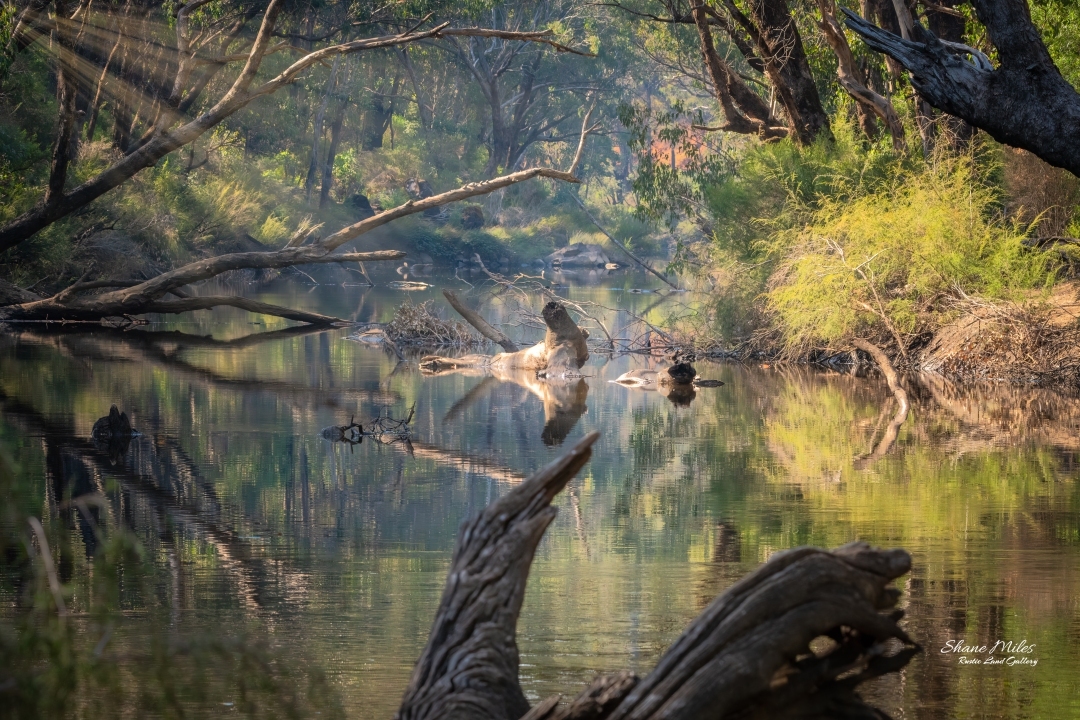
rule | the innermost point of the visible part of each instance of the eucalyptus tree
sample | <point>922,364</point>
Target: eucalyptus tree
<point>174,72</point>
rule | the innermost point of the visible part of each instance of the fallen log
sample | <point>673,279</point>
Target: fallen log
<point>482,326</point>
<point>749,654</point>
<point>561,353</point>
<point>72,303</point>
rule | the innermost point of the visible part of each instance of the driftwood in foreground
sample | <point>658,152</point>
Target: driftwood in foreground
<point>748,655</point>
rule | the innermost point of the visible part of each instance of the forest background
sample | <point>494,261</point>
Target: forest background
<point>761,148</point>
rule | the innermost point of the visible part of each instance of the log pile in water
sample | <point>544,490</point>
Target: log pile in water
<point>748,655</point>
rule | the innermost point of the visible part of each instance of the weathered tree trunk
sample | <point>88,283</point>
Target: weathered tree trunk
<point>483,326</point>
<point>423,109</point>
<point>317,131</point>
<point>378,117</point>
<point>1024,102</point>
<point>780,46</point>
<point>744,111</point>
<point>747,655</point>
<point>66,92</point>
<point>136,298</point>
<point>868,103</point>
<point>331,154</point>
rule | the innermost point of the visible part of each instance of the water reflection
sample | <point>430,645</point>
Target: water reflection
<point>339,553</point>
<point>563,399</point>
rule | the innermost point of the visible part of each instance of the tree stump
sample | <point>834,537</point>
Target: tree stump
<point>748,655</point>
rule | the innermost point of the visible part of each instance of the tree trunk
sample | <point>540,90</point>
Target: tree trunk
<point>744,111</point>
<point>1024,102</point>
<point>331,154</point>
<point>780,45</point>
<point>378,118</point>
<point>66,92</point>
<point>868,103</point>
<point>746,655</point>
<point>561,353</point>
<point>317,131</point>
<point>423,109</point>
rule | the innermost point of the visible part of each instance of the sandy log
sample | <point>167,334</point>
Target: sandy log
<point>562,352</point>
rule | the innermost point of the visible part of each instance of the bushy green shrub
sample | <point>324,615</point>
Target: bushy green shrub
<point>885,257</point>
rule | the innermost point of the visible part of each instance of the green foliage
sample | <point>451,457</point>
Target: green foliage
<point>1059,21</point>
<point>882,258</point>
<point>668,188</point>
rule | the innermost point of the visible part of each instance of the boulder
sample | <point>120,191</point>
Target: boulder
<point>14,295</point>
<point>579,255</point>
<point>360,204</point>
<point>472,217</point>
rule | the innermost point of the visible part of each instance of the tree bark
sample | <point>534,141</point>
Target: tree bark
<point>780,46</point>
<point>746,655</point>
<point>423,109</point>
<point>331,153</point>
<point>560,354</point>
<point>868,102</point>
<point>317,131</point>
<point>744,111</point>
<point>66,92</point>
<point>1024,102</point>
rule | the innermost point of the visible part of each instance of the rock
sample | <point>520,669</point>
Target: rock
<point>579,255</point>
<point>680,374</point>
<point>360,204</point>
<point>472,217</point>
<point>113,433</point>
<point>14,295</point>
<point>418,189</point>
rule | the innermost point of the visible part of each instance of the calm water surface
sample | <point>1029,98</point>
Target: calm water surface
<point>337,554</point>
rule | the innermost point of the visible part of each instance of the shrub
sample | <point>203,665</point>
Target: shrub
<point>884,259</point>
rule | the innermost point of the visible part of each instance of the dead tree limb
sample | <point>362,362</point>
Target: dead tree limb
<point>482,326</point>
<point>170,130</point>
<point>887,370</point>
<point>903,406</point>
<point>618,244</point>
<point>136,299</point>
<point>145,297</point>
<point>469,668</point>
<point>747,655</point>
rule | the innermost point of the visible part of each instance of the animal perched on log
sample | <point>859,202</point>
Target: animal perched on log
<point>747,655</point>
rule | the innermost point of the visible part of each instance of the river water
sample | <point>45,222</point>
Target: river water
<point>335,554</point>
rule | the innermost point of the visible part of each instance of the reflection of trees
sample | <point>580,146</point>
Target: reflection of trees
<point>159,488</point>
<point>164,350</point>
